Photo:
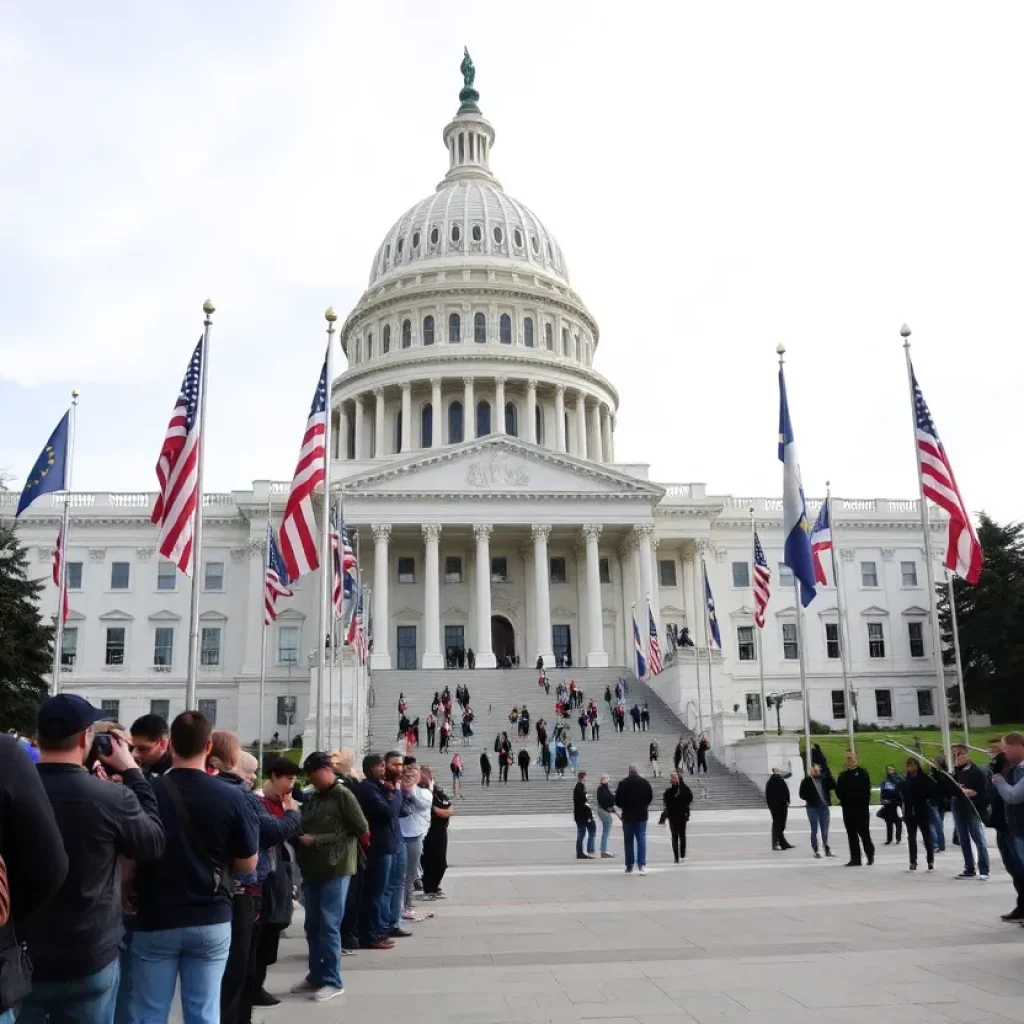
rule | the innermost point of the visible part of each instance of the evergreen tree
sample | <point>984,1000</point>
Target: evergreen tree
<point>990,617</point>
<point>26,644</point>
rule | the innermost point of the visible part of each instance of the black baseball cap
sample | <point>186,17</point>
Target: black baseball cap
<point>317,760</point>
<point>65,715</point>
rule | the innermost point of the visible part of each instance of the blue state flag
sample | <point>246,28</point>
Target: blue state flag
<point>714,633</point>
<point>795,526</point>
<point>50,471</point>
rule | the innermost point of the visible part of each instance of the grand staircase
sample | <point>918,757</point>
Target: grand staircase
<point>494,692</point>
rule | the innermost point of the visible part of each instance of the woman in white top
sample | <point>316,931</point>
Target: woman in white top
<point>418,791</point>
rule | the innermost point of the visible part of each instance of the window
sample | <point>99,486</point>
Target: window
<point>528,332</point>
<point>68,647</point>
<point>415,239</point>
<point>398,431</point>
<point>428,330</point>
<point>479,328</point>
<point>832,640</point>
<point>286,708</point>
<point>112,708</point>
<point>115,646</point>
<point>455,423</point>
<point>883,703</point>
<point>405,647</point>
<point>499,569</point>
<point>538,425</point>
<point>785,576</point>
<point>838,704</point>
<point>511,419</point>
<point>209,646</point>
<point>745,643</point>
<point>790,650</point>
<point>876,640</point>
<point>925,703</point>
<point>604,570</point>
<point>455,234</point>
<point>119,575</point>
<point>287,645</point>
<point>498,235</point>
<point>387,338</point>
<point>427,426</point>
<point>163,647</point>
<point>517,236</point>
<point>667,572</point>
<point>454,329</point>
<point>505,329</point>
<point>213,576</point>
<point>558,573</point>
<point>908,573</point>
<point>434,236</point>
<point>406,334</point>
<point>452,569</point>
<point>477,233</point>
<point>406,570</point>
<point>400,246</point>
<point>160,707</point>
<point>483,418</point>
<point>741,574</point>
<point>868,574</point>
<point>915,630</point>
<point>166,576</point>
<point>208,709</point>
<point>549,337</point>
<point>369,344</point>
<point>753,707</point>
<point>73,580</point>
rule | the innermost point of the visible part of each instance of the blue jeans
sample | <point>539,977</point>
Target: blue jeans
<point>589,829</point>
<point>971,828</point>
<point>396,887</point>
<point>606,828</point>
<point>819,817</point>
<point>938,829</point>
<point>88,1000</point>
<point>375,912</point>
<point>123,1010</point>
<point>197,954</point>
<point>635,832</point>
<point>325,907</point>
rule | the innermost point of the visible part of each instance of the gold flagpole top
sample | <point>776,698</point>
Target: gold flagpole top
<point>208,307</point>
<point>905,331</point>
<point>330,316</point>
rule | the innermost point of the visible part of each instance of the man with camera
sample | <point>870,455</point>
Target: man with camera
<point>74,940</point>
<point>151,739</point>
<point>1008,813</point>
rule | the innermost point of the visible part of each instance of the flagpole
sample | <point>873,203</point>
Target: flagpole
<point>933,618</point>
<point>696,649</point>
<point>758,651</point>
<point>803,673</point>
<point>326,570</point>
<point>263,634</point>
<point>62,572</point>
<point>959,663</point>
<point>707,644</point>
<point>847,694</point>
<point>197,521</point>
<point>358,679</point>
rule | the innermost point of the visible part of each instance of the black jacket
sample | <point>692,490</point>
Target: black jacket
<point>809,792</point>
<point>485,764</point>
<point>677,800</point>
<point>634,796</point>
<point>776,792</point>
<point>605,799</point>
<point>918,792</point>
<point>970,776</point>
<point>79,932</point>
<point>853,787</point>
<point>524,759</point>
<point>581,811</point>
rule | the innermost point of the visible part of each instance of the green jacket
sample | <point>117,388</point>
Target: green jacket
<point>336,821</point>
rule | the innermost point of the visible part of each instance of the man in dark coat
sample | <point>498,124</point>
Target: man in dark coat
<point>583,815</point>
<point>776,794</point>
<point>853,787</point>
<point>633,796</point>
<point>677,799</point>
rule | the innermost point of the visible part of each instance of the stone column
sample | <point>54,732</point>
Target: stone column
<point>381,657</point>
<point>606,434</point>
<point>655,586</point>
<point>342,432</point>
<point>498,425</point>
<point>559,419</point>
<point>468,410</point>
<point>594,439</point>
<point>436,413</point>
<point>643,537</point>
<point>484,654</point>
<point>432,657</point>
<point>581,425</point>
<point>688,598</point>
<point>597,657</point>
<point>360,428</point>
<point>626,573</point>
<point>611,440</point>
<point>531,413</point>
<point>406,416</point>
<point>542,594</point>
<point>378,424</point>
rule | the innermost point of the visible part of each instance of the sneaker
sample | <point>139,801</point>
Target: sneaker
<point>607,856</point>
<point>913,867</point>
<point>411,915</point>
<point>348,952</point>
<point>321,995</point>
<point>304,986</point>
<point>629,871</point>
<point>982,878</point>
<point>643,871</point>
<point>966,874</point>
<point>817,856</point>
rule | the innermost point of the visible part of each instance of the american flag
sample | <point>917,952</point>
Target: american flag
<point>654,647</point>
<point>58,568</point>
<point>821,540</point>
<point>344,561</point>
<point>298,527</point>
<point>356,636</point>
<point>762,583</point>
<point>177,471</point>
<point>963,552</point>
<point>276,584</point>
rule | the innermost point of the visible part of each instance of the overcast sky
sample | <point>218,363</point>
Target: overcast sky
<point>721,178</point>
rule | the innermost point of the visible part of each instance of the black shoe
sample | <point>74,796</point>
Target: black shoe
<point>828,852</point>
<point>852,864</point>
<point>399,933</point>
<point>888,842</point>
<point>871,859</point>
<point>1014,915</point>
<point>817,856</point>
<point>264,998</point>
<point>913,867</point>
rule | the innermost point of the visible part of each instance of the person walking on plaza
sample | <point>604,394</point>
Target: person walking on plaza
<point>891,796</point>
<point>634,713</point>
<point>605,812</point>
<point>702,754</point>
<point>633,797</point>
<point>970,811</point>
<point>524,764</point>
<point>776,794</point>
<point>677,799</point>
<point>853,787</point>
<point>1007,767</point>
<point>485,769</point>
<point>918,792</point>
<point>645,717</point>
<point>652,754</point>
<point>816,793</point>
<point>583,815</point>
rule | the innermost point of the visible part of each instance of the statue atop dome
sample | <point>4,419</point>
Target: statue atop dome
<point>468,95</point>
<point>467,69</point>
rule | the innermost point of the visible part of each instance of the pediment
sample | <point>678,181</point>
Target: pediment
<point>164,616</point>
<point>498,465</point>
<point>116,615</point>
<point>915,611</point>
<point>671,609</point>
<point>831,610</point>
<point>874,610</point>
<point>743,612</point>
<point>290,615</point>
<point>789,610</point>
<point>212,616</point>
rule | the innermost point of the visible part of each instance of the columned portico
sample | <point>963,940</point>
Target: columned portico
<point>542,593</point>
<point>406,416</point>
<point>432,657</point>
<point>643,538</point>
<point>360,428</point>
<point>606,436</point>
<point>484,654</point>
<point>381,657</point>
<point>594,431</point>
<point>596,655</point>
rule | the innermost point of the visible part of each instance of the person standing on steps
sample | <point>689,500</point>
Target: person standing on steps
<point>524,764</point>
<point>470,659</point>
<point>605,812</point>
<point>776,794</point>
<point>645,717</point>
<point>583,815</point>
<point>677,755</point>
<point>918,792</point>
<point>816,793</point>
<point>634,713</point>
<point>485,769</point>
<point>677,799</point>
<point>431,728</point>
<point>435,845</point>
<point>545,760</point>
<point>608,698</point>
<point>633,797</point>
<point>891,795</point>
<point>702,753</point>
<point>853,787</point>
<point>582,723</point>
<point>652,753</point>
<point>456,767</point>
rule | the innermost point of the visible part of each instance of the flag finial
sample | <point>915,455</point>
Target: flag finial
<point>208,307</point>
<point>330,316</point>
<point>905,331</point>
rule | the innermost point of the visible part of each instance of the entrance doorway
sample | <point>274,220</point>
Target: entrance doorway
<point>561,645</point>
<point>454,642</point>
<point>503,639</point>
<point>406,647</point>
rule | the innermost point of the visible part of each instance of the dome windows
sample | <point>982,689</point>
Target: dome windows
<point>505,329</point>
<point>479,328</point>
<point>477,233</point>
<point>511,419</point>
<point>517,238</point>
<point>401,246</point>
<point>386,336</point>
<point>456,234</point>
<point>415,240</point>
<point>499,235</point>
<point>369,345</point>
<point>549,337</point>
<point>483,418</point>
<point>428,330</point>
<point>435,236</point>
<point>528,331</point>
<point>455,423</point>
<point>406,334</point>
<point>565,342</point>
<point>535,245</point>
<point>454,329</point>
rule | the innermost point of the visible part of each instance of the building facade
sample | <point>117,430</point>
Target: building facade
<point>474,453</point>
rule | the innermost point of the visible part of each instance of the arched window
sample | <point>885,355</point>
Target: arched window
<point>386,338</point>
<point>505,329</point>
<point>483,418</point>
<point>454,329</point>
<point>565,341</point>
<point>566,430</point>
<point>428,330</point>
<point>406,334</point>
<point>528,332</point>
<point>538,425</point>
<point>369,345</point>
<point>350,441</point>
<point>549,337</point>
<point>398,432</point>
<point>427,426</point>
<point>511,419</point>
<point>479,328</point>
<point>455,422</point>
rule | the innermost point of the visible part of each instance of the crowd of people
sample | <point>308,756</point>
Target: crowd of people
<point>134,862</point>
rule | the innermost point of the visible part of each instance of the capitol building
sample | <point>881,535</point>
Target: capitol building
<point>475,455</point>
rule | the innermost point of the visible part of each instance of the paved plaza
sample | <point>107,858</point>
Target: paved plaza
<point>737,933</point>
